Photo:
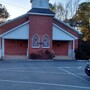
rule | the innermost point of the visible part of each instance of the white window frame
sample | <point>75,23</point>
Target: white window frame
<point>43,41</point>
<point>38,41</point>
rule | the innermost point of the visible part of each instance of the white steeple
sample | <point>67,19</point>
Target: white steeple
<point>44,4</point>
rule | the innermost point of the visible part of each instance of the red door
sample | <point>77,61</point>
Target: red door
<point>16,47</point>
<point>60,48</point>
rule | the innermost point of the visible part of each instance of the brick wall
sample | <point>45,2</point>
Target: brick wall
<point>40,25</point>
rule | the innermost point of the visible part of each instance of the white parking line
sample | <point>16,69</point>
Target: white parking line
<point>23,71</point>
<point>27,71</point>
<point>38,67</point>
<point>74,75</point>
<point>79,67</point>
<point>25,68</point>
<point>41,83</point>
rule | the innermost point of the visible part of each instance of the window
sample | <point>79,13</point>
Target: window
<point>35,41</point>
<point>45,41</point>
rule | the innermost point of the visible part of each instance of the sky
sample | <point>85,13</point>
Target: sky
<point>20,7</point>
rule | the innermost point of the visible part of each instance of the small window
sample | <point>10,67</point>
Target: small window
<point>45,42</point>
<point>35,41</point>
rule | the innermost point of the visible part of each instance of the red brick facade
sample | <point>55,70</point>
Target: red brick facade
<point>40,25</point>
<point>36,28</point>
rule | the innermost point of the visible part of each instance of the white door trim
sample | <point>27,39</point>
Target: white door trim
<point>3,45</point>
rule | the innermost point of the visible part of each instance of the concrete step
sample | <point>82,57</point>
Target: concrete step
<point>13,57</point>
<point>63,58</point>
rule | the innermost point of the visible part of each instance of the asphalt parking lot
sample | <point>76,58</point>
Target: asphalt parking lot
<point>43,75</point>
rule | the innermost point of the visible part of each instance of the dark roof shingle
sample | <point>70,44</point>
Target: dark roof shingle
<point>41,11</point>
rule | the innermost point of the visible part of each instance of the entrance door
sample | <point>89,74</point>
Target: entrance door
<point>60,48</point>
<point>16,47</point>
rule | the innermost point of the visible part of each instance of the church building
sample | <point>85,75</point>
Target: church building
<point>37,30</point>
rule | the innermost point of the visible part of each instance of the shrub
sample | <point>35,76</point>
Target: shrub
<point>83,51</point>
<point>49,54</point>
<point>42,54</point>
<point>34,55</point>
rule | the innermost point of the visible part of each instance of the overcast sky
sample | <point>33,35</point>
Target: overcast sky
<point>19,7</point>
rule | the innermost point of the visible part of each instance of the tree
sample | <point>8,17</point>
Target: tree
<point>83,50</point>
<point>82,17</point>
<point>66,11</point>
<point>70,8</point>
<point>58,9</point>
<point>3,13</point>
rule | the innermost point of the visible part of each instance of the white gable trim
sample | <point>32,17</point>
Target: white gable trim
<point>13,29</point>
<point>69,26</point>
<point>72,36</point>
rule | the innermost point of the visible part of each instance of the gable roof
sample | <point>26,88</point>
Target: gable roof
<point>4,27</point>
<point>77,31</point>
<point>60,34</point>
<point>19,32</point>
<point>13,19</point>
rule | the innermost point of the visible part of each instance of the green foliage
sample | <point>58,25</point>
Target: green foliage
<point>82,16</point>
<point>83,51</point>
<point>58,9</point>
<point>83,10</point>
<point>82,20</point>
<point>52,7</point>
<point>3,13</point>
